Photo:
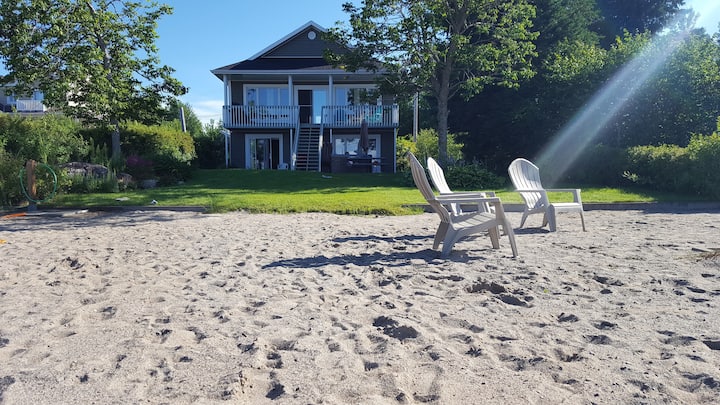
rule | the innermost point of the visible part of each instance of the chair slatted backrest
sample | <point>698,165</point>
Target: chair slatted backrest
<point>526,176</point>
<point>437,176</point>
<point>422,183</point>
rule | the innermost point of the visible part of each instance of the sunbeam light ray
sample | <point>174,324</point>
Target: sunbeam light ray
<point>606,105</point>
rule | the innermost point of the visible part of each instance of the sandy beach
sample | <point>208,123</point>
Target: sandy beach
<point>163,307</point>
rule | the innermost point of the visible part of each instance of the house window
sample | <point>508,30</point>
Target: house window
<point>266,95</point>
<point>356,96</point>
<point>349,145</point>
<point>264,152</point>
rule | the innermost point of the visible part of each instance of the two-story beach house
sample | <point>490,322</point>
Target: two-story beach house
<point>286,107</point>
<point>22,104</point>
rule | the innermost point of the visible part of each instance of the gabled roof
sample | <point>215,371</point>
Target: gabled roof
<point>291,54</point>
<point>275,64</point>
<point>287,38</point>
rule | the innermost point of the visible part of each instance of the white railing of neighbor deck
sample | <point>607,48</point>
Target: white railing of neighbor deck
<point>266,116</point>
<point>351,116</point>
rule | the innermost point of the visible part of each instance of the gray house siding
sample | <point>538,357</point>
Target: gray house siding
<point>301,46</point>
<point>238,146</point>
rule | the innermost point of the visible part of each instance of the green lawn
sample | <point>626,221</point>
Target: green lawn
<point>287,191</point>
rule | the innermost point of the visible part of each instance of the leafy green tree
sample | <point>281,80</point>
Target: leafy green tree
<point>501,124</point>
<point>193,125</point>
<point>442,47</point>
<point>95,60</point>
<point>210,146</point>
<point>635,16</point>
<point>425,146</point>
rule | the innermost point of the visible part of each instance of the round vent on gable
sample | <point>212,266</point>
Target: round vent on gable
<point>311,35</point>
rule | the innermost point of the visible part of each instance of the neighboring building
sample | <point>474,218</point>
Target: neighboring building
<point>287,108</point>
<point>23,104</point>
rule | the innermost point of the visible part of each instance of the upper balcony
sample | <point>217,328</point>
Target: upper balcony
<point>265,116</point>
<point>278,116</point>
<point>24,106</point>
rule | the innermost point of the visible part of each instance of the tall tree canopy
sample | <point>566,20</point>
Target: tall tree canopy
<point>95,60</point>
<point>442,47</point>
<point>635,16</point>
<point>573,64</point>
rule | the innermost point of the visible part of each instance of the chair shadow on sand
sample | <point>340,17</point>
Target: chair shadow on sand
<point>399,258</point>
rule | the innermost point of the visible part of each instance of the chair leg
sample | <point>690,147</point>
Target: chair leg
<point>582,220</point>
<point>524,217</point>
<point>494,237</point>
<point>551,218</point>
<point>448,242</point>
<point>440,234</point>
<point>511,236</point>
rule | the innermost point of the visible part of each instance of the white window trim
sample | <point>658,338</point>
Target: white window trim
<point>253,137</point>
<point>355,87</point>
<point>375,137</point>
<point>247,87</point>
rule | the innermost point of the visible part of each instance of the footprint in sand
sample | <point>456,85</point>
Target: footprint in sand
<point>567,318</point>
<point>699,381</point>
<point>598,339</point>
<point>393,329</point>
<point>5,382</point>
<point>502,293</point>
<point>675,340</point>
<point>276,391</point>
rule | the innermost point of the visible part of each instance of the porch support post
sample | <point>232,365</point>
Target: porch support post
<point>226,96</point>
<point>331,96</point>
<point>395,135</point>
<point>291,103</point>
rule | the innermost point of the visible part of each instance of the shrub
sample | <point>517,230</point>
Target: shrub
<point>170,171</point>
<point>210,147</point>
<point>472,176</point>
<point>704,152</point>
<point>426,145</point>
<point>162,140</point>
<point>88,184</point>
<point>10,192</point>
<point>50,139</point>
<point>599,164</point>
<point>662,168</point>
<point>140,168</point>
<point>170,150</point>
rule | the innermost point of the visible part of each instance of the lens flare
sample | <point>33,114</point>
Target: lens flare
<point>608,104</point>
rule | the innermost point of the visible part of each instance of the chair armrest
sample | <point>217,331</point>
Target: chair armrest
<point>531,190</point>
<point>467,198</point>
<point>575,192</point>
<point>563,190</point>
<point>480,194</point>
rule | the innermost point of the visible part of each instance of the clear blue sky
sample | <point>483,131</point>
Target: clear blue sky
<point>203,35</point>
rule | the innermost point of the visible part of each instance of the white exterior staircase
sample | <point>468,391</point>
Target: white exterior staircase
<point>308,149</point>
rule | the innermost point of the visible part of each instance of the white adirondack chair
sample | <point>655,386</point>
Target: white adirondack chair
<point>525,177</point>
<point>437,176</point>
<point>454,227</point>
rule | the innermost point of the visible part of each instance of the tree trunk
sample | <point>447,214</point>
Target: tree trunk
<point>442,118</point>
<point>115,137</point>
<point>443,95</point>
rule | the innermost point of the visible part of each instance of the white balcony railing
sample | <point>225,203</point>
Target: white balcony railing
<point>29,105</point>
<point>282,116</point>
<point>268,116</point>
<point>350,116</point>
